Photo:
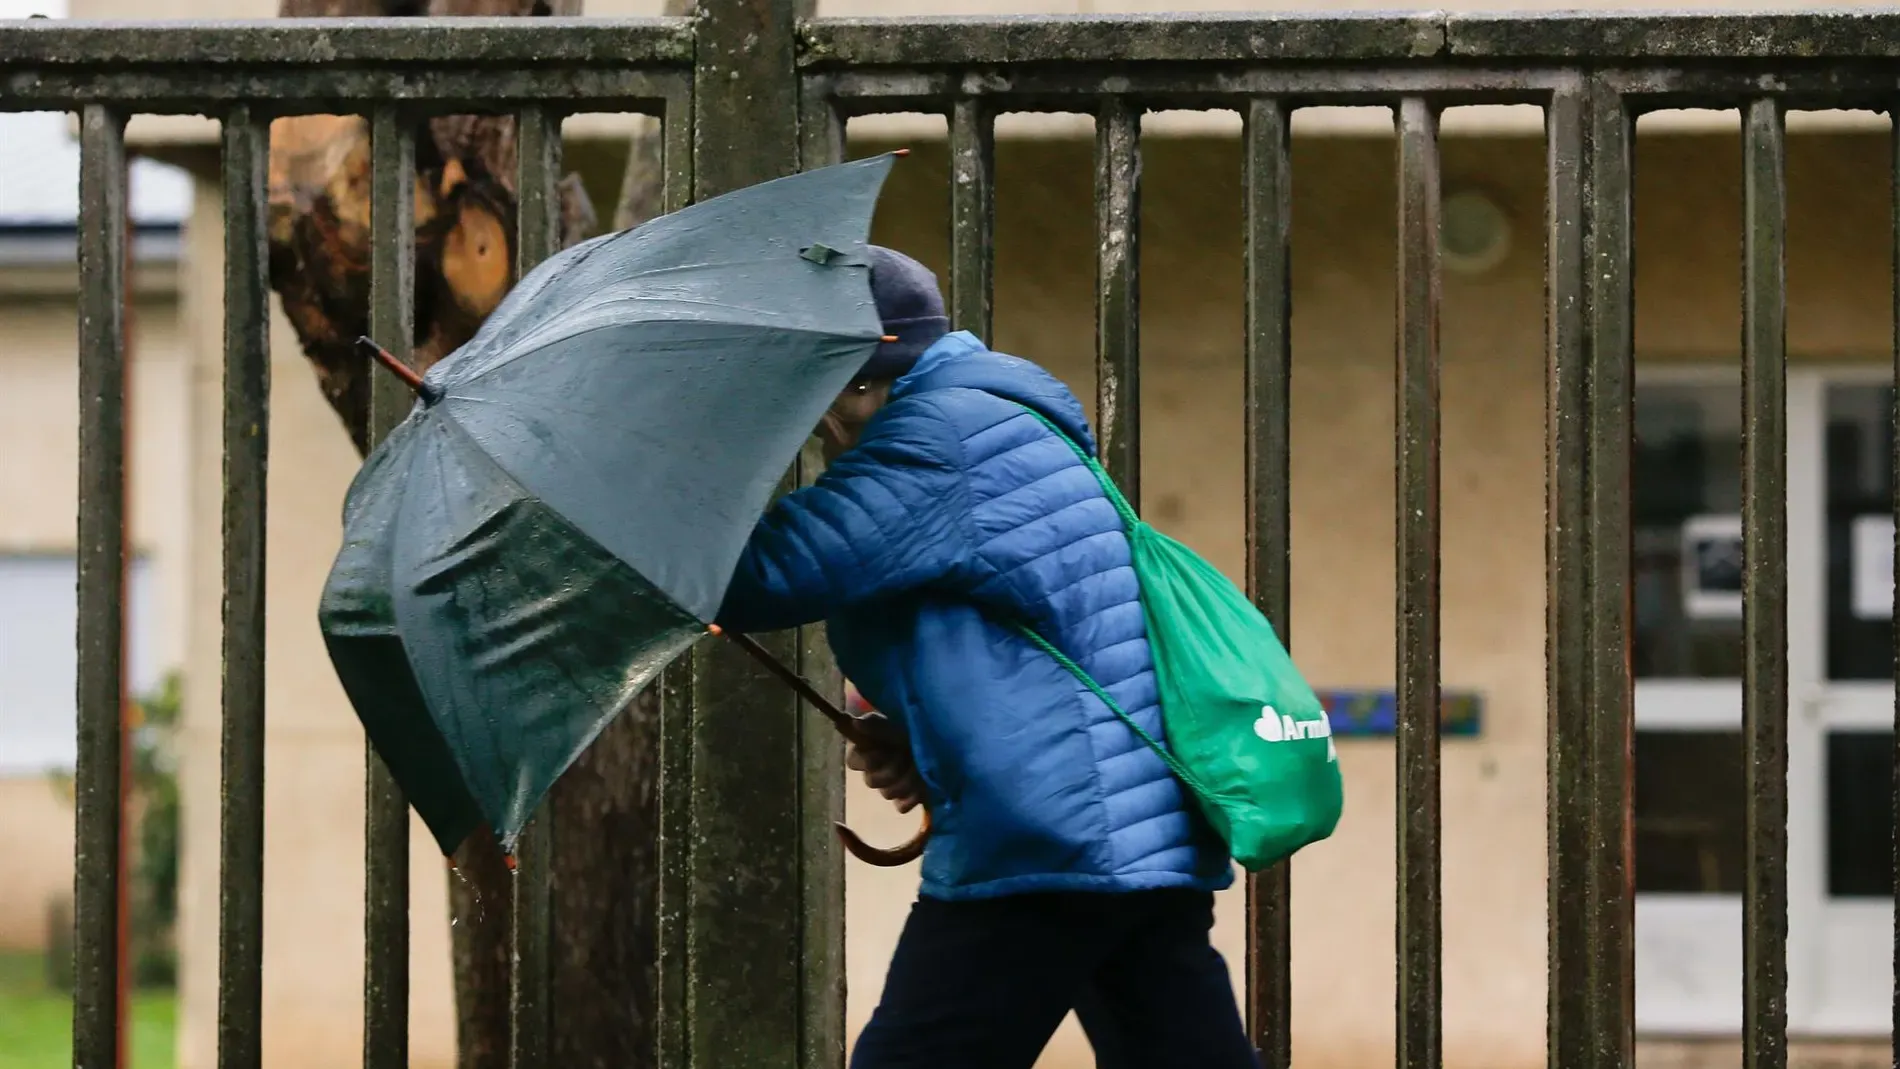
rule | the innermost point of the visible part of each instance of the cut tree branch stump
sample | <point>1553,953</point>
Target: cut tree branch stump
<point>465,220</point>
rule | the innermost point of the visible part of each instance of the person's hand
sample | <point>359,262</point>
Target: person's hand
<point>884,758</point>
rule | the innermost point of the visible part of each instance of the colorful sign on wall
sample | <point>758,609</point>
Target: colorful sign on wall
<point>1375,712</point>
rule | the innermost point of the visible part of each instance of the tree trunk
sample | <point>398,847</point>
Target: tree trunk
<point>465,220</point>
<point>605,809</point>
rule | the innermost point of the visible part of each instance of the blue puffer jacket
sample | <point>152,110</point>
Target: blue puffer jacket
<point>957,511</point>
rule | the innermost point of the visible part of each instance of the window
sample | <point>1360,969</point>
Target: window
<point>1686,515</point>
<point>39,661</point>
<point>1860,814</point>
<point>1690,819</point>
<point>1860,532</point>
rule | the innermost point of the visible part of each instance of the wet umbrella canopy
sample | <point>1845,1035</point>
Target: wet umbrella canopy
<point>559,516</point>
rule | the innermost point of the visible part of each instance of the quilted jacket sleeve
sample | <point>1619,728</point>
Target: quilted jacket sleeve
<point>886,517</point>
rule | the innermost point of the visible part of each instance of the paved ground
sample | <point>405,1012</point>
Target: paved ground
<point>1657,1054</point>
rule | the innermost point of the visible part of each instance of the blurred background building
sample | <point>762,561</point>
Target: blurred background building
<point>1687,491</point>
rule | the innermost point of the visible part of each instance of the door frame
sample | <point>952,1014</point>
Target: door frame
<point>1830,961</point>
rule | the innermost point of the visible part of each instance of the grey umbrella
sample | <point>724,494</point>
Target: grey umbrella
<point>558,517</point>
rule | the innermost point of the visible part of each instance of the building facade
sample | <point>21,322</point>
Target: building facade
<point>1688,826</point>
<point>39,441</point>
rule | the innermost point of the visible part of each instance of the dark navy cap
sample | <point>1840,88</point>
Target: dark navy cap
<point>911,307</point>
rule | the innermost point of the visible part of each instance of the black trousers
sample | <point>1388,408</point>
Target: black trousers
<point>983,984</point>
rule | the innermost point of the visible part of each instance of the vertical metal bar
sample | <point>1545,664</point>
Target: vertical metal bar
<point>745,914</point>
<point>98,821</point>
<point>1567,585</point>
<point>972,215</point>
<point>1610,929</point>
<point>744,923</point>
<point>676,704</point>
<point>1268,180</point>
<point>1118,292</point>
<point>820,128</point>
<point>1420,978</point>
<point>538,223</point>
<point>1765,585</point>
<point>1893,185</point>
<point>537,235</point>
<point>127,723</point>
<point>822,979</point>
<point>1590,710</point>
<point>386,817</point>
<point>745,94</point>
<point>246,138</point>
<point>675,861</point>
<point>821,751</point>
<point>676,133</point>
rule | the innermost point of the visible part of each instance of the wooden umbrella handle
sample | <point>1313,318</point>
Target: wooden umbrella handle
<point>901,854</point>
<point>853,730</point>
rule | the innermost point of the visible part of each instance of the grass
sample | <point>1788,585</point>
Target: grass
<point>36,1022</point>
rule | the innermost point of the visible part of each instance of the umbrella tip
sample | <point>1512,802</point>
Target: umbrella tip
<point>900,153</point>
<point>715,630</point>
<point>888,339</point>
<point>509,860</point>
<point>409,376</point>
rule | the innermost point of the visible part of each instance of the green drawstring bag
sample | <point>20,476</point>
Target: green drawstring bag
<point>1246,734</point>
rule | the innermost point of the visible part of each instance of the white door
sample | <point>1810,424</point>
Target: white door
<point>1687,660</point>
<point>1841,752</point>
<point>1690,781</point>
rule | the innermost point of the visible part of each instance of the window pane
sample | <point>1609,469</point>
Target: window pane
<point>1859,532</point>
<point>1860,814</point>
<point>1690,818</point>
<point>39,661</point>
<point>1686,513</point>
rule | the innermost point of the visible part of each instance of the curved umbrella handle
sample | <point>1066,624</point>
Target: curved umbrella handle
<point>902,854</point>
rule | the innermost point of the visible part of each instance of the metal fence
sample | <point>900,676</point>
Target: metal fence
<point>749,91</point>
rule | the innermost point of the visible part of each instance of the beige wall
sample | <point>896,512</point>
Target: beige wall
<point>1688,236</point>
<point>36,816</point>
<point>39,463</point>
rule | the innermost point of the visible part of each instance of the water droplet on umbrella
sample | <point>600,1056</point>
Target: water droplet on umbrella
<point>474,892</point>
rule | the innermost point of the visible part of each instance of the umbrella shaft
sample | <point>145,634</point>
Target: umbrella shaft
<point>845,722</point>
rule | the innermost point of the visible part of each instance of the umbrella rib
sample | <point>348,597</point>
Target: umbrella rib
<point>504,362</point>
<point>761,318</point>
<point>581,296</point>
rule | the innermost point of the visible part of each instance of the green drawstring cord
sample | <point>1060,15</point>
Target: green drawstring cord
<point>1109,488</point>
<point>1115,707</point>
<point>1132,522</point>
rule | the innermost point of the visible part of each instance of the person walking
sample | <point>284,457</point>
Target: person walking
<point>1067,869</point>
